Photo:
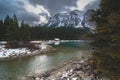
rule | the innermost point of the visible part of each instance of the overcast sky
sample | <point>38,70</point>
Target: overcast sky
<point>37,11</point>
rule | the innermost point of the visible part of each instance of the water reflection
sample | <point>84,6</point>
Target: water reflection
<point>39,61</point>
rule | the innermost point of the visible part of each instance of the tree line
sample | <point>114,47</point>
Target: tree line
<point>106,38</point>
<point>11,30</point>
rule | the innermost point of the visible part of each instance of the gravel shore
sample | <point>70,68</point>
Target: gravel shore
<point>75,69</point>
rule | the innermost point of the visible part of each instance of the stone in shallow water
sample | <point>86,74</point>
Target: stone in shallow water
<point>37,78</point>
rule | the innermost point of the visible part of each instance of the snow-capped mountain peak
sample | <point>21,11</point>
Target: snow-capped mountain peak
<point>73,18</point>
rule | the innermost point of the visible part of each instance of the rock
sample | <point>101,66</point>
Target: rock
<point>42,78</point>
<point>71,61</point>
<point>105,79</point>
<point>65,63</point>
<point>96,72</point>
<point>71,71</point>
<point>93,78</point>
<point>54,68</point>
<point>70,74</point>
<point>73,75</point>
<point>81,61</point>
<point>65,75</point>
<point>46,74</point>
<point>87,78</point>
<point>31,78</point>
<point>75,78</point>
<point>37,78</point>
<point>78,66</point>
<point>85,64</point>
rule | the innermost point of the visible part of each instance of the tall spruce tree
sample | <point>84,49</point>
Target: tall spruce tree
<point>16,28</point>
<point>107,38</point>
<point>2,30</point>
<point>25,34</point>
<point>12,31</point>
<point>9,28</point>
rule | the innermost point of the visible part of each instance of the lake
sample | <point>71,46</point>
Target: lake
<point>19,68</point>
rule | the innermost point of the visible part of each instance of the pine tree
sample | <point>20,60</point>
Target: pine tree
<point>2,30</point>
<point>25,34</point>
<point>107,38</point>
<point>9,28</point>
<point>12,28</point>
<point>16,28</point>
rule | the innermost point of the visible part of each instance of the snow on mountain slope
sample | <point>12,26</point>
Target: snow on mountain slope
<point>74,18</point>
<point>87,19</point>
<point>71,19</point>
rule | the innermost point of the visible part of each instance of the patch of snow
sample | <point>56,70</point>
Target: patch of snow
<point>43,46</point>
<point>6,53</point>
<point>12,52</point>
<point>3,42</point>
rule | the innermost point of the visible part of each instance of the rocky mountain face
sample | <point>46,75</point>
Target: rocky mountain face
<point>74,18</point>
<point>87,20</point>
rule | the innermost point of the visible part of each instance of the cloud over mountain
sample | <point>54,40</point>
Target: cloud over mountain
<point>38,11</point>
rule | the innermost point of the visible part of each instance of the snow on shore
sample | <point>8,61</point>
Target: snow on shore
<point>12,52</point>
<point>43,46</point>
<point>6,53</point>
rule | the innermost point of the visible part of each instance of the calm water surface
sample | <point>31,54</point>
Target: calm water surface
<point>17,69</point>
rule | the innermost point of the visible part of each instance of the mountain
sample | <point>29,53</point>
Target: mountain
<point>71,19</point>
<point>87,19</point>
<point>74,18</point>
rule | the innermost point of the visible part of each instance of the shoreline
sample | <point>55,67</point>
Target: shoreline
<point>74,69</point>
<point>32,53</point>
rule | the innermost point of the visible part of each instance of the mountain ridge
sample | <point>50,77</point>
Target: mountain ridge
<point>73,18</point>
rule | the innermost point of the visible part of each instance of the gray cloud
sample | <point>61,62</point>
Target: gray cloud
<point>16,7</point>
<point>94,5</point>
<point>54,6</point>
<point>6,7</point>
<point>39,10</point>
<point>28,18</point>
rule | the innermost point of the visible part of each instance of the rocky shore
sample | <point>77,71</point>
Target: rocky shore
<point>75,69</point>
<point>9,54</point>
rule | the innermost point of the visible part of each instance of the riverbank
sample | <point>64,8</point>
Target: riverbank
<point>75,69</point>
<point>9,54</point>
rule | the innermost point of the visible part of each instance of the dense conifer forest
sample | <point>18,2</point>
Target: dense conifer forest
<point>11,31</point>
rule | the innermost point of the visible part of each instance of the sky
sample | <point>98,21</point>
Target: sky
<point>36,12</point>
